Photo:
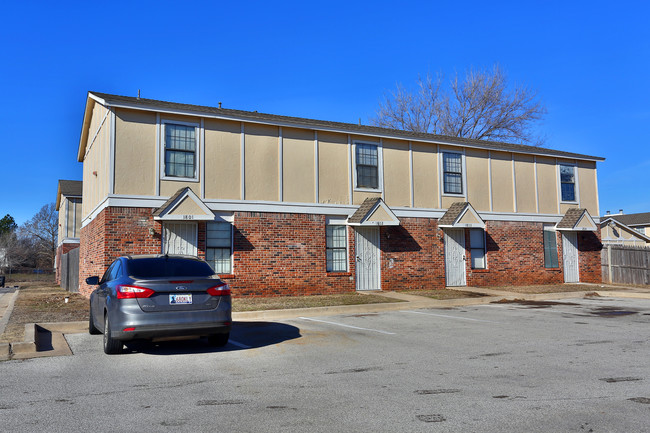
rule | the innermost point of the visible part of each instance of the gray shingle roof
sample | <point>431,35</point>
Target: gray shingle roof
<point>571,218</point>
<point>70,187</point>
<point>452,213</point>
<point>632,219</point>
<point>171,199</point>
<point>339,126</point>
<point>363,210</point>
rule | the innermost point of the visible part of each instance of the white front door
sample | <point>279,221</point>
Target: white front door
<point>180,238</point>
<point>570,257</point>
<point>367,252</point>
<point>455,257</point>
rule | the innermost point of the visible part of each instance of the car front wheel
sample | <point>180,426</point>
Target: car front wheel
<point>111,345</point>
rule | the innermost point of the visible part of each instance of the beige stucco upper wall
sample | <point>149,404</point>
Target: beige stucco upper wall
<point>96,163</point>
<point>135,152</point>
<point>301,165</point>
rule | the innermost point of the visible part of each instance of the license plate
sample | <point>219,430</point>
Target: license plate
<point>185,298</point>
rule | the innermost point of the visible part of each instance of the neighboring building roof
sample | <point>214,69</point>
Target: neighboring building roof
<point>253,116</point>
<point>625,227</point>
<point>632,219</point>
<point>68,188</point>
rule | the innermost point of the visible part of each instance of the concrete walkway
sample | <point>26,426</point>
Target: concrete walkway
<point>56,345</point>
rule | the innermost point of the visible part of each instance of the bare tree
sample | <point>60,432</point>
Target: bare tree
<point>481,106</point>
<point>15,251</point>
<point>43,230</point>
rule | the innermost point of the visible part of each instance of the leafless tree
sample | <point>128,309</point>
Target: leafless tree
<point>15,251</point>
<point>481,106</point>
<point>43,230</point>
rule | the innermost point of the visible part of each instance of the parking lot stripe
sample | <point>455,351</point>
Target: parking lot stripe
<point>446,316</point>
<point>240,345</point>
<point>348,326</point>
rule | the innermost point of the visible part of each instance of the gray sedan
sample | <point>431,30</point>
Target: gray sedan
<point>156,296</point>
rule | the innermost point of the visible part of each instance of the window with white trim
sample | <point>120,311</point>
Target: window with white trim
<point>336,248</point>
<point>367,165</point>
<point>218,243</point>
<point>452,169</point>
<point>181,150</point>
<point>477,248</point>
<point>568,182</point>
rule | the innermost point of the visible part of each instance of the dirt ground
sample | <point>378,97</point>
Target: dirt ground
<point>42,301</point>
<point>555,288</point>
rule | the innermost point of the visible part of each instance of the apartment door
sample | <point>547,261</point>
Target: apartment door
<point>570,257</point>
<point>180,238</point>
<point>455,257</point>
<point>367,252</point>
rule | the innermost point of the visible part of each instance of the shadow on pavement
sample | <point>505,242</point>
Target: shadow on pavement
<point>244,336</point>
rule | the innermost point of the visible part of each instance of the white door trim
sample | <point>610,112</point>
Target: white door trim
<point>455,257</point>
<point>570,257</point>
<point>367,253</point>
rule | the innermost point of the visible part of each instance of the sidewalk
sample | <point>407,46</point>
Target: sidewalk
<point>56,345</point>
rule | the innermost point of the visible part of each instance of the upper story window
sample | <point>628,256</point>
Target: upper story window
<point>452,168</point>
<point>180,150</point>
<point>367,165</point>
<point>568,182</point>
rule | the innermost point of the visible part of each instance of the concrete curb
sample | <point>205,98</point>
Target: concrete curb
<point>47,339</point>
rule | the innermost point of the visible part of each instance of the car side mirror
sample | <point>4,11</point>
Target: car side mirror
<point>92,281</point>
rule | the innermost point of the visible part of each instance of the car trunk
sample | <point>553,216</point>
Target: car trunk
<point>178,295</point>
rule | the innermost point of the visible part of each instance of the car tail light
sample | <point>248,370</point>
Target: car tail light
<point>125,291</point>
<point>221,289</point>
<point>128,329</point>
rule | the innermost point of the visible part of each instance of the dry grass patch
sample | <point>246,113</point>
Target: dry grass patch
<point>442,294</point>
<point>42,301</point>
<point>285,302</point>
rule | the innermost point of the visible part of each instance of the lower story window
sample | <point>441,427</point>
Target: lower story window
<point>550,248</point>
<point>477,245</point>
<point>337,249</point>
<point>218,242</point>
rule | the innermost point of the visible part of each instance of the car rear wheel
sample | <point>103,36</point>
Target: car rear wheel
<point>111,345</point>
<point>218,340</point>
<point>91,323</point>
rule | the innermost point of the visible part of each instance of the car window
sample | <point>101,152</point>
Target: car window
<point>116,272</point>
<point>107,275</point>
<point>168,267</point>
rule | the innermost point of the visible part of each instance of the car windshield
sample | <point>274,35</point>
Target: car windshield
<point>168,267</point>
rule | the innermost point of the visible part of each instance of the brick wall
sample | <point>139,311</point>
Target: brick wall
<point>116,231</point>
<point>284,255</point>
<point>60,251</point>
<point>277,254</point>
<point>412,255</point>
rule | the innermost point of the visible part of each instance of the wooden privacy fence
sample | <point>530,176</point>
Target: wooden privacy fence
<point>626,265</point>
<point>70,271</point>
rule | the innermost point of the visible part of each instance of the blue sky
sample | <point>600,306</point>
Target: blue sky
<point>589,61</point>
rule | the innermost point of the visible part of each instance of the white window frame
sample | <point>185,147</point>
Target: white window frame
<point>197,150</point>
<point>380,166</point>
<point>463,175</point>
<point>576,190</point>
<point>224,218</point>
<point>339,221</point>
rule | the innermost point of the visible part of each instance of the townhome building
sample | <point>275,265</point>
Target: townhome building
<point>626,229</point>
<point>68,205</point>
<point>282,205</point>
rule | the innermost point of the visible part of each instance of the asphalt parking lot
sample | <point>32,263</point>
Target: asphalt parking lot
<point>575,365</point>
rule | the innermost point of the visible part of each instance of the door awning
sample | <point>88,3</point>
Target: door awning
<point>184,205</point>
<point>373,212</point>
<point>461,215</point>
<point>577,219</point>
